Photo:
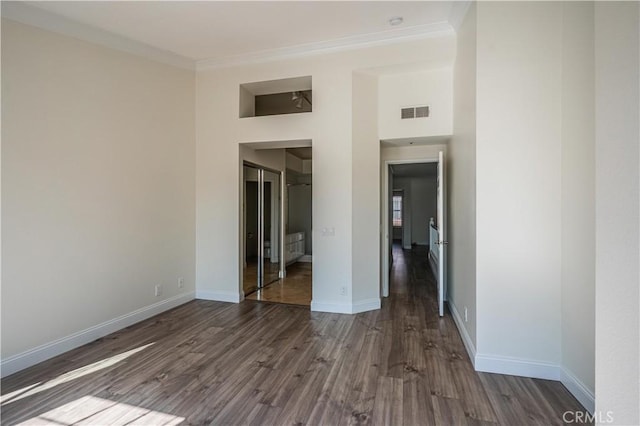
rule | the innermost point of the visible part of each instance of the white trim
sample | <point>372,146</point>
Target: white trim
<point>464,334</point>
<point>333,307</point>
<point>458,12</point>
<point>346,308</point>
<point>24,13</point>
<point>523,367</point>
<point>366,305</point>
<point>28,14</point>
<point>49,350</point>
<point>517,367</point>
<point>579,390</point>
<point>416,32</point>
<point>219,296</point>
<point>306,258</point>
<point>537,370</point>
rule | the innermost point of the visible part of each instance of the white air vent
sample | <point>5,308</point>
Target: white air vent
<point>414,112</point>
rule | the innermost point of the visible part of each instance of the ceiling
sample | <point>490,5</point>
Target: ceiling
<point>415,170</point>
<point>301,153</point>
<point>212,30</point>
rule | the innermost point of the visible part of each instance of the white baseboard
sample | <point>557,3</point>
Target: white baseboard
<point>346,308</point>
<point>307,258</point>
<point>537,370</point>
<point>466,339</point>
<point>219,296</point>
<point>516,367</point>
<point>333,307</point>
<point>366,305</point>
<point>578,389</point>
<point>49,350</point>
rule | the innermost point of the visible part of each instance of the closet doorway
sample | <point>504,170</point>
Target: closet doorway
<point>263,257</point>
<point>277,244</point>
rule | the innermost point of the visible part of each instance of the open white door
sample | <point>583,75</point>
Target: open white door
<point>442,234</point>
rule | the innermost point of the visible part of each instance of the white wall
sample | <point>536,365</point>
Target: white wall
<point>518,198</point>
<point>424,207</point>
<point>432,87</point>
<point>461,174</point>
<point>535,103</point>
<point>294,163</point>
<point>617,220</point>
<point>330,127</point>
<point>411,153</point>
<point>274,159</point>
<point>578,199</point>
<point>97,191</point>
<point>365,193</point>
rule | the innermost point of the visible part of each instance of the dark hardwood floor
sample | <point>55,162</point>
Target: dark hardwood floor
<point>274,364</point>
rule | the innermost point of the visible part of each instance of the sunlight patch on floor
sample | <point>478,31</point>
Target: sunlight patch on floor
<point>67,377</point>
<point>91,410</point>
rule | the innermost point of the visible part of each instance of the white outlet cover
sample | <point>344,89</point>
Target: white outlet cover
<point>328,232</point>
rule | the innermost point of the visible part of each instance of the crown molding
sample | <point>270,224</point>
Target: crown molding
<point>24,13</point>
<point>458,12</point>
<point>417,32</point>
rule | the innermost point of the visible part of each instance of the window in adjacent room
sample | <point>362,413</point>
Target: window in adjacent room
<point>397,210</point>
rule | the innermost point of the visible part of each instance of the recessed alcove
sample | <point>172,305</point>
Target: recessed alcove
<point>276,97</point>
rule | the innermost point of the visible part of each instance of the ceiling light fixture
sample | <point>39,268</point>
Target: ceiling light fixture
<point>396,20</point>
<point>300,97</point>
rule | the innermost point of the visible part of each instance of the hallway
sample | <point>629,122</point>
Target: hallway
<point>273,364</point>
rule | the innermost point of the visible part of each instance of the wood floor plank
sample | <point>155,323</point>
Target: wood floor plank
<point>448,411</point>
<point>363,380</point>
<point>256,363</point>
<point>388,403</point>
<point>507,407</point>
<point>417,407</point>
<point>331,407</point>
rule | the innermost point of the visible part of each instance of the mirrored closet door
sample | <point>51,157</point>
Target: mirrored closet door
<point>262,193</point>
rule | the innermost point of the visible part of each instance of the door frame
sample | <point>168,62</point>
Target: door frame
<point>243,220</point>
<point>385,235</point>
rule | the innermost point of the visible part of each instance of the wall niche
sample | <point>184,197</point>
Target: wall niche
<point>276,97</point>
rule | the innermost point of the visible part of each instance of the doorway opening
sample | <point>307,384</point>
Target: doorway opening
<point>277,227</point>
<point>414,218</point>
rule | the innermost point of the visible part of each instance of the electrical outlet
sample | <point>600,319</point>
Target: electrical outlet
<point>328,232</point>
<point>180,282</point>
<point>343,290</point>
<point>158,290</point>
<point>466,315</point>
